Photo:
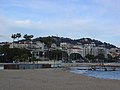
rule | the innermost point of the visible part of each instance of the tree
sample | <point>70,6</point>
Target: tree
<point>4,49</point>
<point>18,35</point>
<point>100,57</point>
<point>116,58</point>
<point>75,56</point>
<point>64,55</point>
<point>16,58</point>
<point>28,37</point>
<point>110,58</point>
<point>14,37</point>
<point>33,59</point>
<point>55,54</point>
<point>48,41</point>
<point>24,57</point>
<point>90,57</point>
<point>2,57</point>
<point>14,53</point>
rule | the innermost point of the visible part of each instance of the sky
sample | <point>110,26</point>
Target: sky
<point>96,19</point>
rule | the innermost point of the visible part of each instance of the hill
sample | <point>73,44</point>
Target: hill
<point>58,40</point>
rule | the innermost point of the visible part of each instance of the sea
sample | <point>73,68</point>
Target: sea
<point>97,73</point>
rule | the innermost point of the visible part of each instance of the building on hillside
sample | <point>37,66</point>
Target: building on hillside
<point>53,47</point>
<point>19,45</point>
<point>114,52</point>
<point>65,46</point>
<point>102,50</point>
<point>37,49</point>
<point>89,49</point>
<point>75,49</point>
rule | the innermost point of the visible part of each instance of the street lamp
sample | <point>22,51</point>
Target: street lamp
<point>43,55</point>
<point>2,57</point>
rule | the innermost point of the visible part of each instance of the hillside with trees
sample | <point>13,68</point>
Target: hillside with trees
<point>57,40</point>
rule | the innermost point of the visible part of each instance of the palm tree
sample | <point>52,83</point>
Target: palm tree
<point>28,37</point>
<point>18,35</point>
<point>25,36</point>
<point>14,36</point>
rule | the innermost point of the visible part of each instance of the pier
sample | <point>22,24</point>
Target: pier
<point>105,67</point>
<point>95,66</point>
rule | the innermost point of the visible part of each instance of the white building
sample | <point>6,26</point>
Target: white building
<point>114,52</point>
<point>89,49</point>
<point>19,45</point>
<point>102,50</point>
<point>65,45</point>
<point>75,49</point>
<point>37,49</point>
<point>54,46</point>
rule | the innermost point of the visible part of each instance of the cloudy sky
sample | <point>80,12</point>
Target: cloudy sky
<point>97,19</point>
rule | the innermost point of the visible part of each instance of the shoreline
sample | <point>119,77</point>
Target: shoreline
<point>52,79</point>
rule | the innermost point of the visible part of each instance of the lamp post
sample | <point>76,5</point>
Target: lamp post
<point>2,56</point>
<point>43,55</point>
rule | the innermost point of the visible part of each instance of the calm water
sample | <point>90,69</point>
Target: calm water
<point>98,73</point>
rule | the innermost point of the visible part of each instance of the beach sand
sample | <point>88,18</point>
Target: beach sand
<point>52,79</point>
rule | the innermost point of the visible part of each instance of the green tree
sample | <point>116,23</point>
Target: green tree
<point>101,57</point>
<point>10,53</point>
<point>48,41</point>
<point>24,57</point>
<point>33,59</point>
<point>90,57</point>
<point>18,35</point>
<point>13,37</point>
<point>16,59</point>
<point>110,58</point>
<point>116,58</point>
<point>64,55</point>
<point>28,37</point>
<point>75,56</point>
<point>54,54</point>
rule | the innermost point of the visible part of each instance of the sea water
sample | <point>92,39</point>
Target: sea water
<point>97,73</point>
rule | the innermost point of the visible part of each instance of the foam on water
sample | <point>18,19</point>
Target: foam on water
<point>98,73</point>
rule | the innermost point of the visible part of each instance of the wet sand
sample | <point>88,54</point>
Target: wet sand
<point>52,79</point>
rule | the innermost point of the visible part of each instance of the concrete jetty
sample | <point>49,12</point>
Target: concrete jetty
<point>94,66</point>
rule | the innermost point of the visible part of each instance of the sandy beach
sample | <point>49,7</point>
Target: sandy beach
<point>52,79</point>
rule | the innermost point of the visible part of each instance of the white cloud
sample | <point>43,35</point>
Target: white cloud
<point>76,25</point>
<point>23,22</point>
<point>60,24</point>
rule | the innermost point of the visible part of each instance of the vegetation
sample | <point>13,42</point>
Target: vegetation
<point>110,58</point>
<point>76,56</point>
<point>47,40</point>
<point>22,55</point>
<point>100,57</point>
<point>14,54</point>
<point>28,37</point>
<point>18,35</point>
<point>14,36</point>
<point>90,58</point>
<point>56,55</point>
<point>57,40</point>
